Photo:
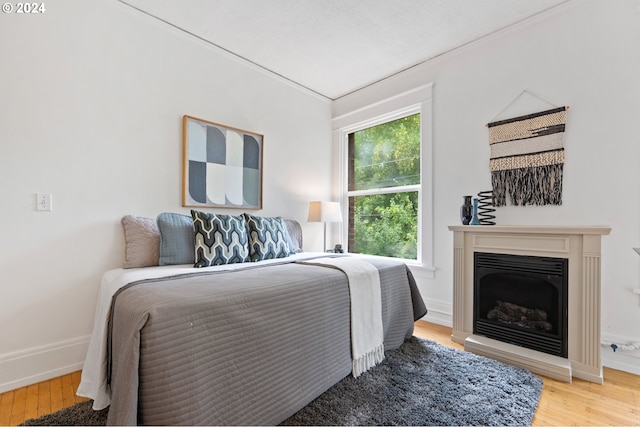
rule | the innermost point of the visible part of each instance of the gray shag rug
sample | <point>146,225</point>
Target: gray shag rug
<point>421,383</point>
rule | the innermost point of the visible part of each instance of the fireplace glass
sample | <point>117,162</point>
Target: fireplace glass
<point>522,300</point>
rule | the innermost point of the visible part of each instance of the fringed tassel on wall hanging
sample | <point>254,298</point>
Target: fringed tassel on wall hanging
<point>527,158</point>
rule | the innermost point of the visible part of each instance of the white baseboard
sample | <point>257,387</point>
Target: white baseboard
<point>30,366</point>
<point>621,362</point>
<point>438,312</point>
<point>628,361</point>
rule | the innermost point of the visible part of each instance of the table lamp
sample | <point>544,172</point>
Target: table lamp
<point>324,212</point>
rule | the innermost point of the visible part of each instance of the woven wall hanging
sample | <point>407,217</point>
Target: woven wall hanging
<point>527,158</point>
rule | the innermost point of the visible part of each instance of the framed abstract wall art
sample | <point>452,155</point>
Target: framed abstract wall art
<point>222,165</point>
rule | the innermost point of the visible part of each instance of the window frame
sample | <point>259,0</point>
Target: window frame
<point>381,120</point>
<point>416,101</point>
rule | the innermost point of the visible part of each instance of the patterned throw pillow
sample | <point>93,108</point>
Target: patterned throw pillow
<point>219,239</point>
<point>268,238</point>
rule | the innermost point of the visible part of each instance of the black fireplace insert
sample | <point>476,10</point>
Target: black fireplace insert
<point>522,300</point>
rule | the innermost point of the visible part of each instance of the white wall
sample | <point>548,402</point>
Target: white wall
<point>584,54</point>
<point>91,100</point>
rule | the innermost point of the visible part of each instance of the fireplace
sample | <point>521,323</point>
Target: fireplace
<point>566,253</point>
<point>521,300</point>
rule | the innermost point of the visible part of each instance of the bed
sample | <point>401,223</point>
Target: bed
<point>234,344</point>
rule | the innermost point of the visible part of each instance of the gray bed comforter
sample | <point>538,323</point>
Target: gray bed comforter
<point>251,346</point>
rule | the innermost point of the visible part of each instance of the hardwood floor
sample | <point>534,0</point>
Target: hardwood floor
<point>39,399</point>
<point>615,403</point>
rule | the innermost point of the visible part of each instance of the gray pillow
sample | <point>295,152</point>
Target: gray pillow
<point>295,233</point>
<point>142,241</point>
<point>176,239</point>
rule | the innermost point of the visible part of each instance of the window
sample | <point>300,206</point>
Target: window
<point>384,186</point>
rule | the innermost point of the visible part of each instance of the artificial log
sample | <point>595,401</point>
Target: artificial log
<point>522,316</point>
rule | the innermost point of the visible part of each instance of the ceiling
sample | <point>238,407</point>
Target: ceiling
<point>335,47</point>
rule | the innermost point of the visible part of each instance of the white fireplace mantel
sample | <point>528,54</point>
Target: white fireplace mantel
<point>581,245</point>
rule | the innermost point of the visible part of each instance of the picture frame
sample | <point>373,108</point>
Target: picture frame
<point>222,165</point>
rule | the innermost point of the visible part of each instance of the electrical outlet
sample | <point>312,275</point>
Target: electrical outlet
<point>43,202</point>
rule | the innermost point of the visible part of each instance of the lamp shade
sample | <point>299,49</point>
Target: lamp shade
<point>324,212</point>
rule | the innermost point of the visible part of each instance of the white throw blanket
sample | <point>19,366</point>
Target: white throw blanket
<point>367,336</point>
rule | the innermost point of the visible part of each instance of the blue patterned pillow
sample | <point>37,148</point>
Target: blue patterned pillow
<point>176,238</point>
<point>219,239</point>
<point>268,238</point>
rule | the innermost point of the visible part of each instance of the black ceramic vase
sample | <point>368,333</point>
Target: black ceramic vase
<point>466,210</point>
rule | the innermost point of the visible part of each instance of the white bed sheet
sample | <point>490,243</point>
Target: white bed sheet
<point>93,383</point>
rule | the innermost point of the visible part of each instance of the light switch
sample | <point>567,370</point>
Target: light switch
<point>43,202</point>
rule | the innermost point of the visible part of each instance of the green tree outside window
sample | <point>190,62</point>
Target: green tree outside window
<point>384,164</point>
